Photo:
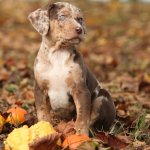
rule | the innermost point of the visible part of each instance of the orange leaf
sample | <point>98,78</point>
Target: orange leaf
<point>17,115</point>
<point>74,141</point>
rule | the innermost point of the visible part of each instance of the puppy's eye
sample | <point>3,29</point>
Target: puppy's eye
<point>80,20</point>
<point>62,17</point>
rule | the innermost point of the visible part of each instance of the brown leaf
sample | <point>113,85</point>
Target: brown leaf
<point>113,141</point>
<point>145,83</point>
<point>66,128</point>
<point>28,94</point>
<point>137,144</point>
<point>12,99</point>
<point>126,139</point>
<point>48,142</point>
<point>144,86</point>
<point>10,62</point>
<point>22,65</point>
<point>121,113</point>
<point>5,115</point>
<point>130,85</point>
<point>30,119</point>
<point>4,75</point>
<point>144,101</point>
<point>103,137</point>
<point>116,143</point>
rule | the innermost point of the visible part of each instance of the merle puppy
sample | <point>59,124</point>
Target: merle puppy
<point>64,84</point>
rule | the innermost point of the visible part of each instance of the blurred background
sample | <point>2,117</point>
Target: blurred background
<point>116,48</point>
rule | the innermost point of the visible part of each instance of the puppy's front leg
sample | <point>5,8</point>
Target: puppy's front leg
<point>82,100</point>
<point>42,104</point>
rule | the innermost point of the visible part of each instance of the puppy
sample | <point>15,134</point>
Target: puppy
<point>64,84</point>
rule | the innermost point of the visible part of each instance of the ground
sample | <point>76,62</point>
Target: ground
<point>116,48</point>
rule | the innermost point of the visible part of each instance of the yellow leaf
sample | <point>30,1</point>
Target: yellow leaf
<point>19,139</point>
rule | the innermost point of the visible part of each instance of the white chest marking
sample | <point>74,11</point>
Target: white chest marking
<point>56,72</point>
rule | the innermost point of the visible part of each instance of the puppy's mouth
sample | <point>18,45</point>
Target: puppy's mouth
<point>71,41</point>
<point>75,40</point>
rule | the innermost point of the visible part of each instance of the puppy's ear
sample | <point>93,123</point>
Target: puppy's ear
<point>40,20</point>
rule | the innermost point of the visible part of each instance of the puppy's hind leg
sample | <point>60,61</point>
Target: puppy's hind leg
<point>42,104</point>
<point>103,111</point>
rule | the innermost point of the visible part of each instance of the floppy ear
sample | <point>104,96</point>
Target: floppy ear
<point>40,20</point>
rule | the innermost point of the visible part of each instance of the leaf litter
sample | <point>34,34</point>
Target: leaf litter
<point>118,53</point>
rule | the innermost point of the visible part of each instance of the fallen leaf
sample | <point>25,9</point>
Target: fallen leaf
<point>74,141</point>
<point>30,119</point>
<point>66,128</point>
<point>112,141</point>
<point>17,115</point>
<point>130,85</point>
<point>138,144</point>
<point>4,75</point>
<point>121,113</point>
<point>102,136</point>
<point>116,143</point>
<point>22,65</point>
<point>48,142</point>
<point>126,139</point>
<point>143,100</point>
<point>2,122</point>
<point>28,95</point>
<point>145,83</point>
<point>35,135</point>
<point>10,62</point>
<point>12,99</point>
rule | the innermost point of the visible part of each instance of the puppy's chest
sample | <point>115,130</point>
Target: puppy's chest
<point>55,69</point>
<point>58,70</point>
<point>54,74</point>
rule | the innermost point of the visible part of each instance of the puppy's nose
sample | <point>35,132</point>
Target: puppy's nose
<point>78,30</point>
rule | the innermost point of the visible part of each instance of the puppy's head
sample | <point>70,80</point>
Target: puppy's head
<point>60,21</point>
